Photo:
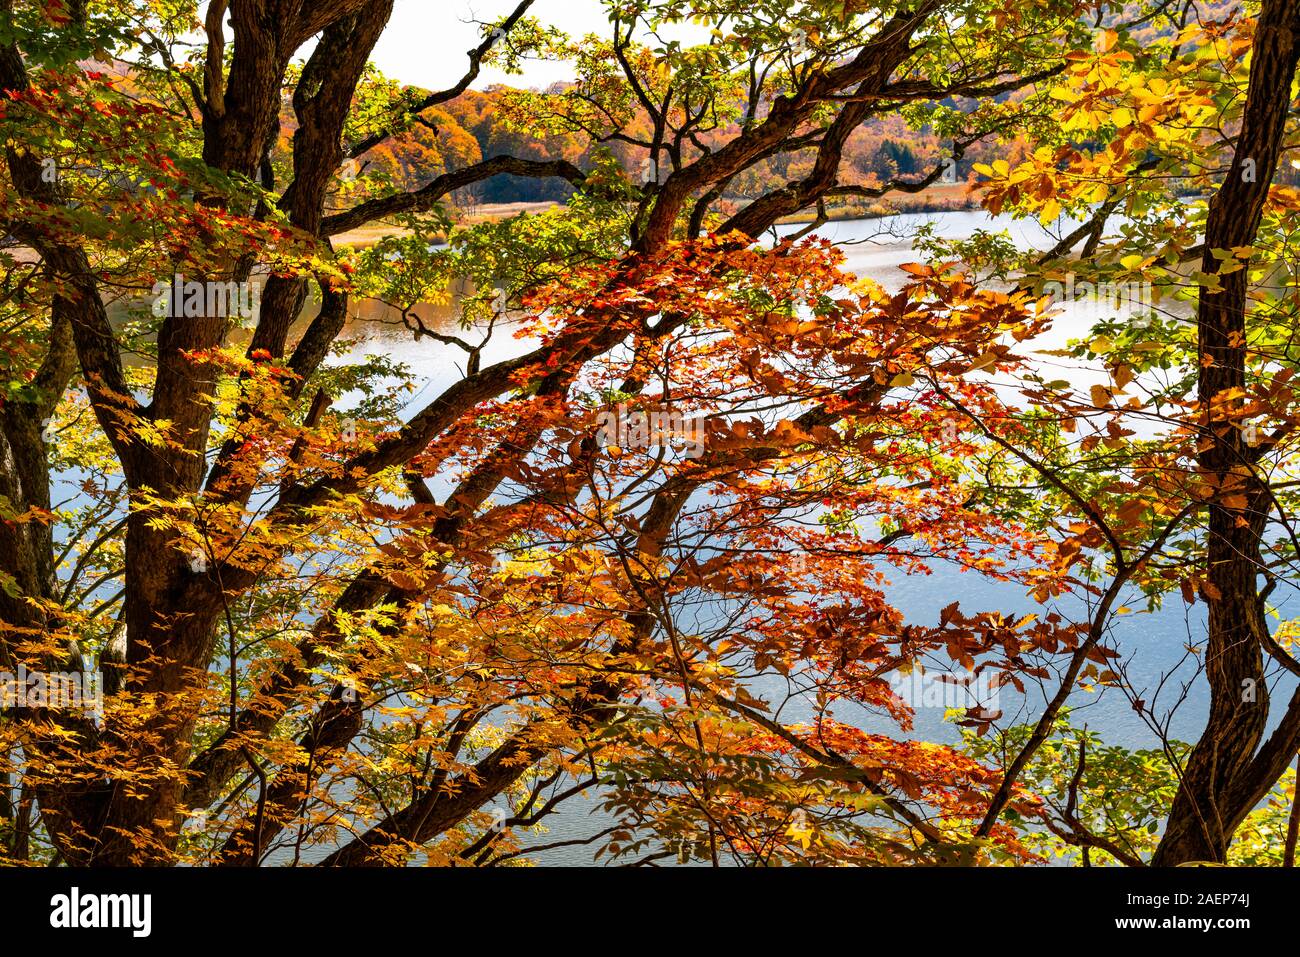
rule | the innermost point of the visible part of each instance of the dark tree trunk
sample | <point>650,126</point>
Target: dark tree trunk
<point>1214,795</point>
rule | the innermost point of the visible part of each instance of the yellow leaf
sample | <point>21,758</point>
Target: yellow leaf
<point>800,830</point>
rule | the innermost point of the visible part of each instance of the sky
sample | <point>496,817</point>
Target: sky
<point>426,40</point>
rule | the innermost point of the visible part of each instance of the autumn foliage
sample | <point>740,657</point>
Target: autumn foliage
<point>638,549</point>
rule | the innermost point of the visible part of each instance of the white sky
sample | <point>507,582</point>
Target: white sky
<point>425,41</point>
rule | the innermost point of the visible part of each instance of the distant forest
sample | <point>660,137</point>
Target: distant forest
<point>479,125</point>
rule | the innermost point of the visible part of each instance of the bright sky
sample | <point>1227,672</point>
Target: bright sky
<point>426,40</point>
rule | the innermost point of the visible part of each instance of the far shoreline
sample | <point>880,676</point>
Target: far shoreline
<point>938,198</point>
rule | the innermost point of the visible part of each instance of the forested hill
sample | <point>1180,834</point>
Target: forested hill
<point>476,126</point>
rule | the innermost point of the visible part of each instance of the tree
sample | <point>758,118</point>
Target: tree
<point>343,626</point>
<point>1219,400</point>
<point>1232,768</point>
<point>225,697</point>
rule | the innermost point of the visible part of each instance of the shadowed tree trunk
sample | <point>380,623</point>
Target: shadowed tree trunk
<point>1221,781</point>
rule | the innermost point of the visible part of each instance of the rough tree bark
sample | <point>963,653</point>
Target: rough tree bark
<point>1221,782</point>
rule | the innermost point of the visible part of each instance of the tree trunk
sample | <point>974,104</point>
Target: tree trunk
<point>1211,801</point>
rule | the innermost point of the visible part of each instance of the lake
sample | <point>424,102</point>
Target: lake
<point>1153,644</point>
